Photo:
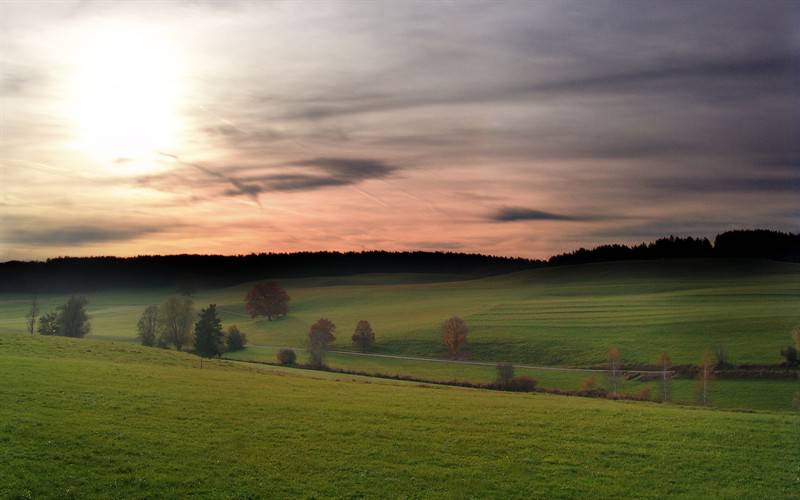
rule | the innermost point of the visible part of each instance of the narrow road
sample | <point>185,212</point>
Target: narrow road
<point>452,361</point>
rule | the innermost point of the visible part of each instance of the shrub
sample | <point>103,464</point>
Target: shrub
<point>236,339</point>
<point>589,383</point>
<point>287,357</point>
<point>644,394</point>
<point>522,383</point>
<point>790,355</point>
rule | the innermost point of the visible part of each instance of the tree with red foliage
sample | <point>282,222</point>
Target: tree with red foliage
<point>267,299</point>
<point>320,337</point>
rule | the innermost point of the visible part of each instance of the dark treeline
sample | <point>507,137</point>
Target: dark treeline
<point>759,243</point>
<point>197,271</point>
<point>187,272</point>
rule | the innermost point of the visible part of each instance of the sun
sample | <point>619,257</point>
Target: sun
<point>125,93</point>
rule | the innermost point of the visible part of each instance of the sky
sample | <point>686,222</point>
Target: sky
<point>510,128</point>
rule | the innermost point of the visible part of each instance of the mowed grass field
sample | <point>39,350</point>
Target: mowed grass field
<point>84,418</point>
<point>565,316</point>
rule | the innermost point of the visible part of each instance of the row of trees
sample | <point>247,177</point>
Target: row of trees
<point>172,324</point>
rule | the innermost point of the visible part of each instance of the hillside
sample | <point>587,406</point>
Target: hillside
<point>81,418</point>
<point>567,315</point>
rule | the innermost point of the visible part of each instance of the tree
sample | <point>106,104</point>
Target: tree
<point>705,372</point>
<point>287,357</point>
<point>73,320</point>
<point>613,369</point>
<point>665,363</point>
<point>147,327</point>
<point>721,354</point>
<point>505,372</point>
<point>236,339</point>
<point>320,337</point>
<point>175,317</point>
<point>363,337</point>
<point>48,324</point>
<point>454,335</point>
<point>791,356</point>
<point>209,341</point>
<point>31,317</point>
<point>267,299</point>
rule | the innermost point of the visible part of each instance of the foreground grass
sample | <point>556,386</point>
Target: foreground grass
<point>84,418</point>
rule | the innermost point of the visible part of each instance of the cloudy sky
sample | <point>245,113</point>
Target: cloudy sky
<point>514,128</point>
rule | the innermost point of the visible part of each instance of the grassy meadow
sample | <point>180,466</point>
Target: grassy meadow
<point>85,418</point>
<point>561,316</point>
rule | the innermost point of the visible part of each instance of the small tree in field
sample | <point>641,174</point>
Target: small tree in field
<point>267,299</point>
<point>48,324</point>
<point>454,335</point>
<point>320,337</point>
<point>613,369</point>
<point>236,339</point>
<point>175,318</point>
<point>73,320</point>
<point>287,357</point>
<point>796,337</point>
<point>791,356</point>
<point>147,327</point>
<point>705,372</point>
<point>665,363</point>
<point>505,372</point>
<point>589,384</point>
<point>31,317</point>
<point>209,341</point>
<point>363,337</point>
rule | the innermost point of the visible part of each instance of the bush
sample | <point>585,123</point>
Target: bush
<point>589,384</point>
<point>287,357</point>
<point>644,394</point>
<point>523,383</point>
<point>791,356</point>
<point>236,339</point>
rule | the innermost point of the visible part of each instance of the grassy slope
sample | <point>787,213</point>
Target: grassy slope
<point>776,395</point>
<point>554,316</point>
<point>84,418</point>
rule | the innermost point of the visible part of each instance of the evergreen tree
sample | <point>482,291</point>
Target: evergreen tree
<point>209,341</point>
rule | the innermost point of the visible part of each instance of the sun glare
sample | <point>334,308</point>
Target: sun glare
<point>125,94</point>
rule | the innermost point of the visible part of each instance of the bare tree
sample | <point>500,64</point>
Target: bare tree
<point>454,335</point>
<point>705,372</point>
<point>665,363</point>
<point>33,312</point>
<point>147,327</point>
<point>613,369</point>
<point>175,318</point>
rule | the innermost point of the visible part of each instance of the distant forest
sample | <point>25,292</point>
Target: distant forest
<point>188,272</point>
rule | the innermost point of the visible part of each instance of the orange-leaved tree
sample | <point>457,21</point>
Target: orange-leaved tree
<point>454,335</point>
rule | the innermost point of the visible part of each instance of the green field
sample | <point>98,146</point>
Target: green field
<point>561,316</point>
<point>85,418</point>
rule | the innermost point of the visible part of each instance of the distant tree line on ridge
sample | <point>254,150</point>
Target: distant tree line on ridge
<point>187,273</point>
